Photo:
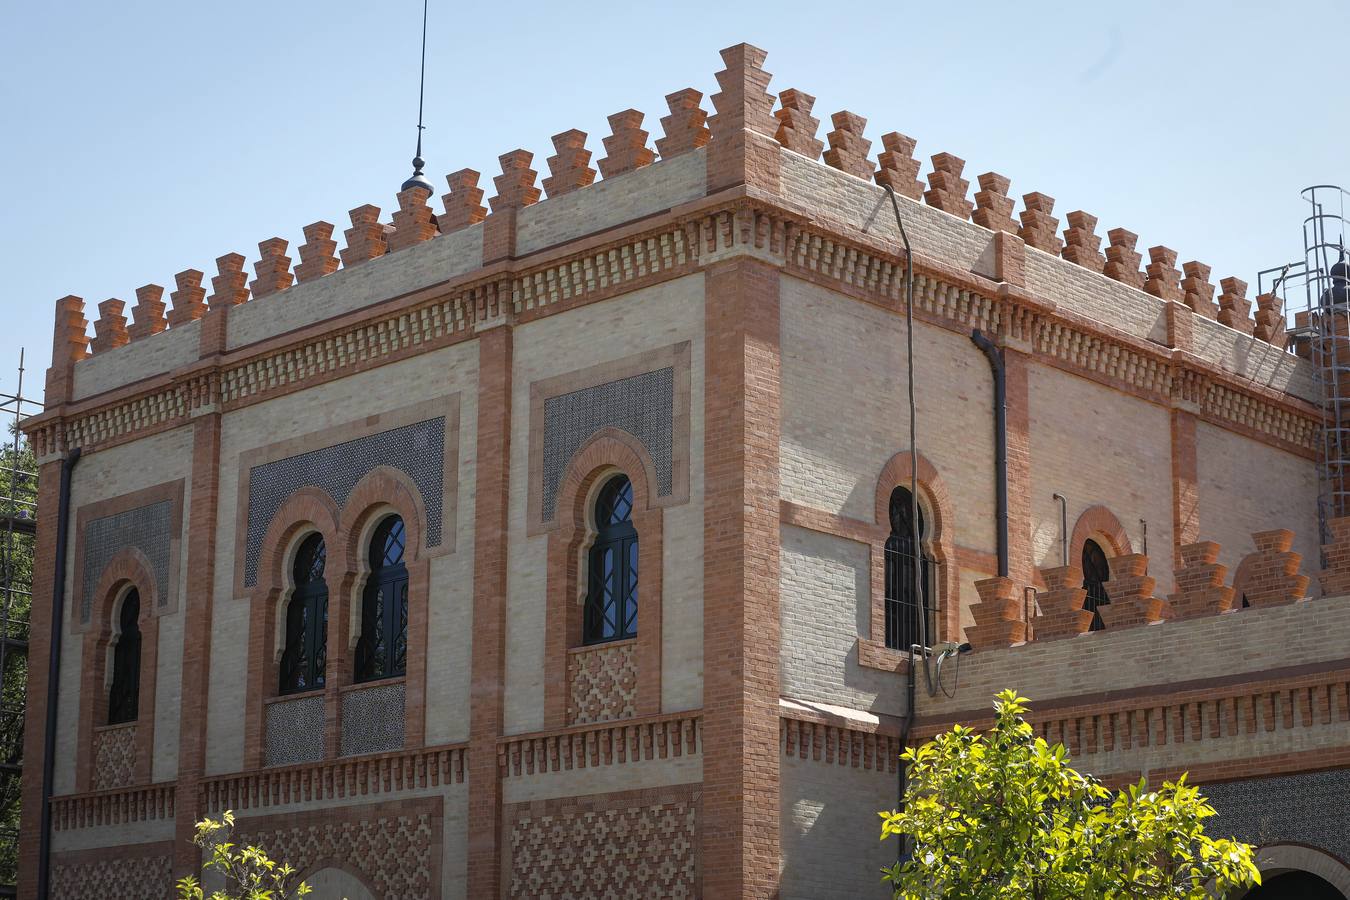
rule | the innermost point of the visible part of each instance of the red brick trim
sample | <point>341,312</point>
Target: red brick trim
<point>115,807</point>
<point>491,518</point>
<point>607,452</point>
<point>676,357</point>
<point>169,490</point>
<point>875,750</point>
<point>1101,525</point>
<point>741,552</point>
<point>128,569</point>
<point>1294,763</point>
<point>447,406</point>
<point>617,742</point>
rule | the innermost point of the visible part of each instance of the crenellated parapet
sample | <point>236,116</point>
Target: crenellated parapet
<point>413,221</point>
<point>1131,591</point>
<point>993,206</point>
<point>318,254</point>
<point>1162,279</point>
<point>1082,246</point>
<point>273,268</point>
<point>848,148</point>
<point>946,188</point>
<point>110,329</point>
<point>148,314</point>
<point>898,169</point>
<point>570,165</point>
<point>626,147</point>
<point>188,298</point>
<point>1038,223</point>
<point>1234,307</point>
<point>796,126</point>
<point>686,126</point>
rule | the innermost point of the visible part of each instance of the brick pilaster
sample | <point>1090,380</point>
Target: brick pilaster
<point>1021,566</point>
<point>489,610</point>
<point>1185,483</point>
<point>743,149</point>
<point>39,650</point>
<point>741,848</point>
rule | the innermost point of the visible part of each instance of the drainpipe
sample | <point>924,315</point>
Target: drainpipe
<point>995,356</point>
<point>54,674</point>
<point>1063,527</point>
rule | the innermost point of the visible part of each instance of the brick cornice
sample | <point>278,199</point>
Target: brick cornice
<point>680,241</point>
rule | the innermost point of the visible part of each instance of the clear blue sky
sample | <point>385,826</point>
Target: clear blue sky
<point>144,138</point>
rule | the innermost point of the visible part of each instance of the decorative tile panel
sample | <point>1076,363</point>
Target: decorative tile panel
<point>1307,808</point>
<point>114,877</point>
<point>602,683</point>
<point>642,405</point>
<point>395,846</point>
<point>418,450</point>
<point>294,731</point>
<point>637,844</point>
<point>372,719</point>
<point>147,528</point>
<point>114,757</point>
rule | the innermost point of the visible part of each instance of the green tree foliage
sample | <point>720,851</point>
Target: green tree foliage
<point>248,872</point>
<point>18,501</point>
<point>1002,815</point>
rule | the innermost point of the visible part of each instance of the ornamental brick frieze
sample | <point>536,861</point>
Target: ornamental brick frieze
<point>838,745</point>
<point>606,744</point>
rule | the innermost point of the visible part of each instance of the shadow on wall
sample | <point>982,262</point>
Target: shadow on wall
<point>335,884</point>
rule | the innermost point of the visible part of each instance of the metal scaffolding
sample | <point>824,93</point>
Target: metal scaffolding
<point>18,531</point>
<point>1316,295</point>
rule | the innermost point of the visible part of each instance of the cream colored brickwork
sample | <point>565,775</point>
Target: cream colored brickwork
<point>421,378</point>
<point>153,355</point>
<point>1246,486</point>
<point>168,692</point>
<point>612,201</point>
<point>825,605</point>
<point>644,320</point>
<point>144,832</point>
<point>345,290</point>
<point>830,830</point>
<point>630,776</point>
<point>845,410</point>
<point>1098,446</point>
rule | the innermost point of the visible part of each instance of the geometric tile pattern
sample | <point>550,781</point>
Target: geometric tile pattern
<point>418,450</point>
<point>113,878</point>
<point>114,757</point>
<point>642,405</point>
<point>1307,808</point>
<point>294,731</point>
<point>145,528</point>
<point>639,851</point>
<point>393,852</point>
<point>602,684</point>
<point>372,719</point>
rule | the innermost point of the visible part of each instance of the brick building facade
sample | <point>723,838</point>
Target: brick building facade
<point>540,548</point>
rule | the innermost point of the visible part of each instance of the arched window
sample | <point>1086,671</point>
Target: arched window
<point>903,602</point>
<point>125,694</point>
<point>612,596</point>
<point>306,651</point>
<point>382,651</point>
<point>1096,573</point>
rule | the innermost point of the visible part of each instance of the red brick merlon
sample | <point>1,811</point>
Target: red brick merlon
<point>1163,280</point>
<point>318,254</point>
<point>1061,604</point>
<point>1272,576</point>
<point>464,203</point>
<point>365,239</point>
<point>899,170</point>
<point>570,165</point>
<point>686,127</point>
<point>230,286</point>
<point>993,206</point>
<point>1201,588</point>
<point>848,148</point>
<point>1039,224</point>
<point>998,615</point>
<point>1082,246</point>
<point>796,126</point>
<point>110,329</point>
<point>1198,290</point>
<point>1131,592</point>
<point>626,147</point>
<point>273,268</point>
<point>189,297</point>
<point>946,188</point>
<point>1335,578</point>
<point>413,220</point>
<point>1234,307</point>
<point>148,313</point>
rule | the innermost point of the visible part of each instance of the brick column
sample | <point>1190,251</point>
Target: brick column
<point>489,610</point>
<point>39,650</point>
<point>741,580</point>
<point>198,602</point>
<point>1185,484</point>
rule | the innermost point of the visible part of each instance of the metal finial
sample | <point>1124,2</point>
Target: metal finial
<point>419,180</point>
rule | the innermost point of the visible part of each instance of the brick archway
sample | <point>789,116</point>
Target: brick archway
<point>1100,524</point>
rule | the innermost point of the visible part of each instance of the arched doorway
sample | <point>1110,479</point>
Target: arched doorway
<point>1295,886</point>
<point>332,883</point>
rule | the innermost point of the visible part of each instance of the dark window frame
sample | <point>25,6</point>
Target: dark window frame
<point>1096,573</point>
<point>382,650</point>
<point>124,694</point>
<point>901,611</point>
<point>305,653</point>
<point>611,612</point>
